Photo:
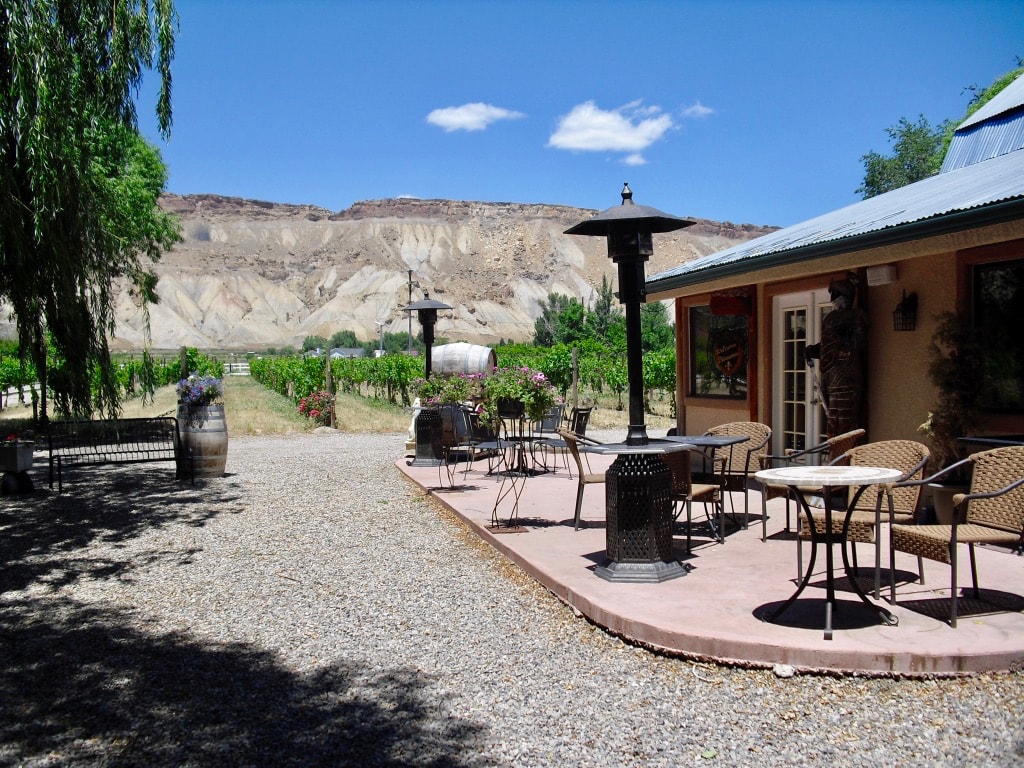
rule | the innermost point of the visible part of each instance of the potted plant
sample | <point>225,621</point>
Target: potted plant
<point>441,390</point>
<point>517,391</point>
<point>202,424</point>
<point>957,360</point>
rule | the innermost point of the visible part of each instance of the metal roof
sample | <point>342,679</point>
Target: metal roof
<point>995,129</point>
<point>989,191</point>
<point>1011,97</point>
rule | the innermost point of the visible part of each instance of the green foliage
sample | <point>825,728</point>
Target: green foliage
<point>388,377</point>
<point>656,333</point>
<point>957,357</point>
<point>313,342</point>
<point>526,385</point>
<point>78,184</point>
<point>918,150</point>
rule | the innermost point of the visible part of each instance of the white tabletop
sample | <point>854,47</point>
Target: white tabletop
<point>818,477</point>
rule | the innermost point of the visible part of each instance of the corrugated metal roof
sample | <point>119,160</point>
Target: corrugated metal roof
<point>966,189</point>
<point>995,137</point>
<point>995,129</point>
<point>1011,97</point>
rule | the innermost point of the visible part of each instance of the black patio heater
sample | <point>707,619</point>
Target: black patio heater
<point>638,483</point>
<point>428,420</point>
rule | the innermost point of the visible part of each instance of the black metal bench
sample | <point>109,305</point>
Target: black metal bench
<point>116,441</point>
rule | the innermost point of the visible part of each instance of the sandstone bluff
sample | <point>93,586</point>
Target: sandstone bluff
<point>252,274</point>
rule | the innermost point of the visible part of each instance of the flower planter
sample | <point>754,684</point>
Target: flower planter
<point>204,430</point>
<point>942,501</point>
<point>511,409</point>
<point>16,456</point>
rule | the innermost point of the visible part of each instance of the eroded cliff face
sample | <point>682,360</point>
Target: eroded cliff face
<point>252,274</point>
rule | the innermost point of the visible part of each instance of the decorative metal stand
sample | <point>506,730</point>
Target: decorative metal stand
<point>428,439</point>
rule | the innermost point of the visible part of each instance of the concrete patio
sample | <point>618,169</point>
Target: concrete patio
<point>715,612</point>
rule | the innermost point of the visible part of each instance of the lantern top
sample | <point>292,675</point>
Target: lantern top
<point>631,215</point>
<point>427,303</point>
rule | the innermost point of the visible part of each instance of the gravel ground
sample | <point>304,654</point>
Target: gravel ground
<point>314,608</point>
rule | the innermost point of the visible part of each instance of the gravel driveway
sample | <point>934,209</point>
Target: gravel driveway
<point>313,608</point>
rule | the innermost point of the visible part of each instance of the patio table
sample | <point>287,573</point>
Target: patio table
<point>823,479</point>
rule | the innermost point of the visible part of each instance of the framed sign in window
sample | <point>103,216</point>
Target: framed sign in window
<point>719,354</point>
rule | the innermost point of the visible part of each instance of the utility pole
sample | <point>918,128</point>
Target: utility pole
<point>410,314</point>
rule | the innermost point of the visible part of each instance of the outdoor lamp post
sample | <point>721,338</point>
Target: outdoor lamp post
<point>426,308</point>
<point>638,484</point>
<point>628,228</point>
<point>428,421</point>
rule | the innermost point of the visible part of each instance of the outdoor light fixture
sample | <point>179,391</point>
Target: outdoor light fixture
<point>426,308</point>
<point>638,484</point>
<point>628,229</point>
<point>428,420</point>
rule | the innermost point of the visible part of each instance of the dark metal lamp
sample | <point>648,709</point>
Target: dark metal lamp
<point>628,228</point>
<point>426,308</point>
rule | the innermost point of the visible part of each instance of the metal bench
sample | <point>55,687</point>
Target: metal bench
<point>116,441</point>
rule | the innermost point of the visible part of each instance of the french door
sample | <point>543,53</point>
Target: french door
<point>798,416</point>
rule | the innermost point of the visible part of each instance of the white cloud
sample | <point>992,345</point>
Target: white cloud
<point>470,117</point>
<point>634,159</point>
<point>630,128</point>
<point>698,110</point>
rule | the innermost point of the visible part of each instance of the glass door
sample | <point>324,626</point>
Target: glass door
<point>798,416</point>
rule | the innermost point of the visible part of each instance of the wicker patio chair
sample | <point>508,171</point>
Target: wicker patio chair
<point>994,515</point>
<point>584,475</point>
<point>685,492</point>
<point>910,458</point>
<point>742,460</point>
<point>827,452</point>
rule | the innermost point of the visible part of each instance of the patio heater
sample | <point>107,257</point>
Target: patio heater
<point>638,483</point>
<point>428,420</point>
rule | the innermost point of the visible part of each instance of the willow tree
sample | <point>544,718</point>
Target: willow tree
<point>78,184</point>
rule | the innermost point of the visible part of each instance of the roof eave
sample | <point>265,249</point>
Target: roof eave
<point>944,224</point>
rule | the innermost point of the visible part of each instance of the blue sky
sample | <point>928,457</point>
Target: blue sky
<point>750,112</point>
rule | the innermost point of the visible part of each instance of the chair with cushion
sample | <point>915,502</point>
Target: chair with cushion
<point>685,492</point>
<point>584,474</point>
<point>907,456</point>
<point>827,452</point>
<point>993,510</point>
<point>742,460</point>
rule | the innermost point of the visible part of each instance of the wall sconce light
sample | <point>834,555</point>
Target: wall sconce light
<point>904,318</point>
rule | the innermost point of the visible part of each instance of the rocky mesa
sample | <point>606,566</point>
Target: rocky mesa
<point>252,274</point>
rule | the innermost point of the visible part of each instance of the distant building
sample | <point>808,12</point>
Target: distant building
<point>347,352</point>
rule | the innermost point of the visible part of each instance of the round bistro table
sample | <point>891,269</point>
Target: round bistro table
<point>803,479</point>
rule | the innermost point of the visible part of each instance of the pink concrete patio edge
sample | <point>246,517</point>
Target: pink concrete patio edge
<point>714,611</point>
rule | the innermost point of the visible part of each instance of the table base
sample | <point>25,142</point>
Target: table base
<point>827,539</point>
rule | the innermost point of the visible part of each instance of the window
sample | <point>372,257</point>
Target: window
<point>718,354</point>
<point>998,305</point>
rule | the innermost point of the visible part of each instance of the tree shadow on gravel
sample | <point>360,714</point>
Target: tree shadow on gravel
<point>40,532</point>
<point>78,687</point>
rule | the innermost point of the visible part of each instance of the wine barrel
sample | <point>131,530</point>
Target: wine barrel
<point>204,431</point>
<point>461,357</point>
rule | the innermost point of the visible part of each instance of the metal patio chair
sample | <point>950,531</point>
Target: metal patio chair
<point>685,492</point>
